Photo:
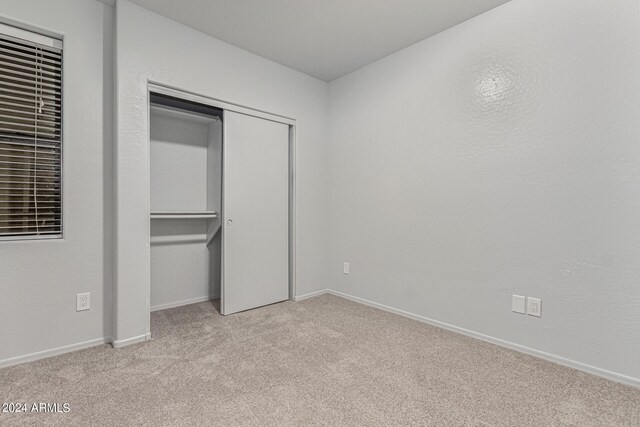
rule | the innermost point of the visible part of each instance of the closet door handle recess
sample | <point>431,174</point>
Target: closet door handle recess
<point>229,222</point>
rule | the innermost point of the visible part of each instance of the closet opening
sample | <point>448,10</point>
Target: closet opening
<point>221,203</point>
<point>185,152</point>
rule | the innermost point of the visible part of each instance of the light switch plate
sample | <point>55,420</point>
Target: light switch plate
<point>534,307</point>
<point>518,304</point>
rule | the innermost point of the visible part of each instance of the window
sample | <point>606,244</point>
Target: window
<point>30,135</point>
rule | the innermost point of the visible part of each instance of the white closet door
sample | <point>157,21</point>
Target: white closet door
<point>256,212</point>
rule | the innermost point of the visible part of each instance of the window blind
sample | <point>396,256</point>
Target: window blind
<point>30,139</point>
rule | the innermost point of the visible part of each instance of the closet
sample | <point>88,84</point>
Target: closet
<point>219,206</point>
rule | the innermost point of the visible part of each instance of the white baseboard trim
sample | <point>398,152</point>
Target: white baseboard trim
<point>624,379</point>
<point>183,302</point>
<point>310,295</point>
<point>52,352</point>
<point>129,341</point>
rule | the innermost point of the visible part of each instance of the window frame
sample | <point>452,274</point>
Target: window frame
<point>30,36</point>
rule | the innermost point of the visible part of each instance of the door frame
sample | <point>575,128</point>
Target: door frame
<point>159,88</point>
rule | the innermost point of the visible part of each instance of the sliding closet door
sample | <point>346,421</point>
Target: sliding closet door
<point>256,212</point>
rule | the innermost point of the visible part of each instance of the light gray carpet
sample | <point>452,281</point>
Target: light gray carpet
<point>324,361</point>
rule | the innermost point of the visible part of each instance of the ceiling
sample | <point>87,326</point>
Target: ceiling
<point>322,38</point>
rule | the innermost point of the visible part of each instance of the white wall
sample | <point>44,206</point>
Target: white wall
<point>178,163</point>
<point>180,263</point>
<point>500,157</point>
<point>39,280</point>
<point>150,47</point>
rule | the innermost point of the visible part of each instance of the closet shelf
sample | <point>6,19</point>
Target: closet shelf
<point>183,214</point>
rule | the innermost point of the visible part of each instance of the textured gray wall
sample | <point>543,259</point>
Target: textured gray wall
<point>39,280</point>
<point>498,157</point>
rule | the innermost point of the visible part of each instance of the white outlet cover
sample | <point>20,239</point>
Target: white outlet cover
<point>534,307</point>
<point>83,301</point>
<point>518,304</point>
<point>347,268</point>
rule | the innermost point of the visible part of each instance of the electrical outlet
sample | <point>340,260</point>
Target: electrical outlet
<point>518,304</point>
<point>534,307</point>
<point>83,301</point>
<point>346,269</point>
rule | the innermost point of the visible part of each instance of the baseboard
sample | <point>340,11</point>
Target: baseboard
<point>310,295</point>
<point>52,352</point>
<point>183,302</point>
<point>129,341</point>
<point>624,379</point>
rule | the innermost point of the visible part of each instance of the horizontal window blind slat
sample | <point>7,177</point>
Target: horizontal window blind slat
<point>27,134</point>
<point>19,141</point>
<point>50,217</point>
<point>52,234</point>
<point>27,210</point>
<point>39,155</point>
<point>35,150</point>
<point>34,123</point>
<point>17,70</point>
<point>30,167</point>
<point>23,146</point>
<point>34,170</point>
<point>42,129</point>
<point>54,181</point>
<point>42,165</point>
<point>42,222</point>
<point>28,112</point>
<point>30,186</point>
<point>28,130</point>
<point>32,210</point>
<point>12,61</point>
<point>31,176</point>
<point>5,160</point>
<point>29,181</point>
<point>44,203</point>
<point>31,193</point>
<point>43,145</point>
<point>30,226</point>
<point>50,156</point>
<point>5,175</point>
<point>35,58</point>
<point>21,103</point>
<point>30,46</point>
<point>15,101</point>
<point>34,86</point>
<point>22,65</point>
<point>25,117</point>
<point>30,94</point>
<point>30,81</point>
<point>39,161</point>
